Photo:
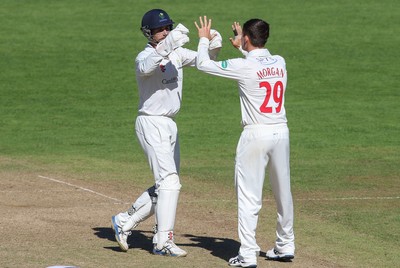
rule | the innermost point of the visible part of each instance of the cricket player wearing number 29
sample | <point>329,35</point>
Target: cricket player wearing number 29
<point>159,77</point>
<point>264,140</point>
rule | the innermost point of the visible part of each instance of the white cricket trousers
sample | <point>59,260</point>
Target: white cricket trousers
<point>158,136</point>
<point>262,147</point>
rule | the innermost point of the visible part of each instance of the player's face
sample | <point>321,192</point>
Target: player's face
<point>160,33</point>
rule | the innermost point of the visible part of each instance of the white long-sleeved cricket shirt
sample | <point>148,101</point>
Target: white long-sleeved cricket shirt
<point>261,77</point>
<point>160,80</point>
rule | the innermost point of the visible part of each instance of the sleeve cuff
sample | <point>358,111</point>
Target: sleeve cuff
<point>204,41</point>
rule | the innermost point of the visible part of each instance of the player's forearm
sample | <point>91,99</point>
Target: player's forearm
<point>146,66</point>
<point>202,53</point>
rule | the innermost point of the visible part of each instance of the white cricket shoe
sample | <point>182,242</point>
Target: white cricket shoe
<point>275,255</point>
<point>170,249</point>
<point>120,236</point>
<point>238,261</point>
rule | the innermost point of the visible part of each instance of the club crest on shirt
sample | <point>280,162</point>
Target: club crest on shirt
<point>163,65</point>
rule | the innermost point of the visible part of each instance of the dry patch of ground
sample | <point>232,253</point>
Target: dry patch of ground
<point>58,220</point>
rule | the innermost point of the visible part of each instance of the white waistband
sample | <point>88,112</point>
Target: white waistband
<point>264,126</point>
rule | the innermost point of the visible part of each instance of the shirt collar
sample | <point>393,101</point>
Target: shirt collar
<point>259,52</point>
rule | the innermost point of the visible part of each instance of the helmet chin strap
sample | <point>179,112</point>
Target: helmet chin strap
<point>147,33</point>
<point>152,41</point>
<point>149,36</point>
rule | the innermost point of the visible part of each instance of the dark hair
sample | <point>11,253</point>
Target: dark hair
<point>257,30</point>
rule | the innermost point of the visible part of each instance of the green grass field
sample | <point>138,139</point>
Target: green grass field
<point>69,97</point>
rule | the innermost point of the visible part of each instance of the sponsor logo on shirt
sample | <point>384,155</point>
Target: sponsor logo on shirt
<point>266,61</point>
<point>170,81</point>
<point>224,64</point>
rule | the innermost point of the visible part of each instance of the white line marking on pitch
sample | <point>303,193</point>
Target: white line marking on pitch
<point>349,198</point>
<point>82,188</point>
<point>311,199</point>
<point>209,200</point>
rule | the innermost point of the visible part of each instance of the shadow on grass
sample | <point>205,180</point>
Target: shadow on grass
<point>138,239</point>
<point>223,248</point>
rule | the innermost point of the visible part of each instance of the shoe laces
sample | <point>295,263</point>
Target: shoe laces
<point>235,260</point>
<point>170,245</point>
<point>125,233</point>
<point>239,259</point>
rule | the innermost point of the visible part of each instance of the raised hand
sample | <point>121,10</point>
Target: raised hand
<point>237,31</point>
<point>204,28</point>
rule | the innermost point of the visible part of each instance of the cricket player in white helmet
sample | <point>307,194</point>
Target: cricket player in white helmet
<point>262,79</point>
<point>159,76</point>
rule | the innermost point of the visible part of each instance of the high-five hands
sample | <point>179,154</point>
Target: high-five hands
<point>216,41</point>
<point>237,31</point>
<point>204,28</point>
<point>176,38</point>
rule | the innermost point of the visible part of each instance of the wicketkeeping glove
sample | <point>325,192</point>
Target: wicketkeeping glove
<point>176,38</point>
<point>216,42</point>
